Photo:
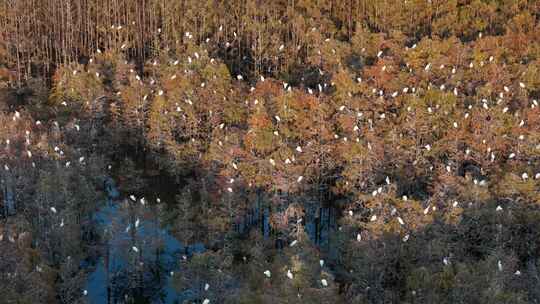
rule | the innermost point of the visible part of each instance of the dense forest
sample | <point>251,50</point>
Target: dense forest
<point>298,151</point>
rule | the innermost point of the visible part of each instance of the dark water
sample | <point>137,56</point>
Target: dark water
<point>118,261</point>
<point>318,221</point>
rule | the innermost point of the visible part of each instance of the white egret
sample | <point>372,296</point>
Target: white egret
<point>289,274</point>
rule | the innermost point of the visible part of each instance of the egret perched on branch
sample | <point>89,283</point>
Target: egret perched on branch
<point>289,274</point>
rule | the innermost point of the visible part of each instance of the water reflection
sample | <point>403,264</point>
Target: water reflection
<point>137,255</point>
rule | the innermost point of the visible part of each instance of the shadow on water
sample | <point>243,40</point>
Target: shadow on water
<point>141,242</point>
<point>137,252</point>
